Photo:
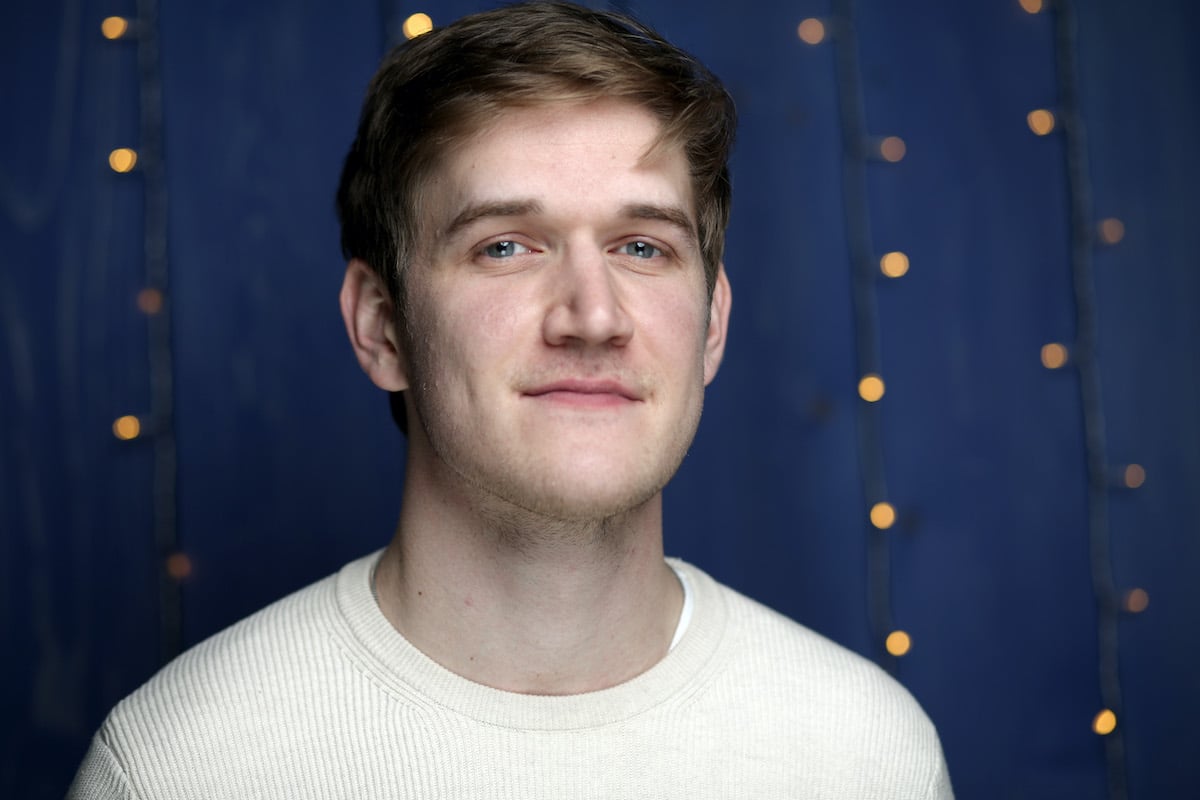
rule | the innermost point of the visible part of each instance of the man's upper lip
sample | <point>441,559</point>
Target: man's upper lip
<point>585,386</point>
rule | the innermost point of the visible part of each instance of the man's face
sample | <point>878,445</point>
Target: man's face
<point>562,331</point>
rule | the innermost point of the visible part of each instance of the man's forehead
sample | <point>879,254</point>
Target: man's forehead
<point>524,155</point>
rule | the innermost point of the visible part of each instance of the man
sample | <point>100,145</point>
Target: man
<point>533,211</point>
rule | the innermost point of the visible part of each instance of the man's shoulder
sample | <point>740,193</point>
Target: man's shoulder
<point>790,693</point>
<point>271,651</point>
<point>795,669</point>
<point>237,698</point>
<point>779,636</point>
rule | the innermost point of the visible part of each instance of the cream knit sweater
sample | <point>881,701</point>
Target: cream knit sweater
<point>317,696</point>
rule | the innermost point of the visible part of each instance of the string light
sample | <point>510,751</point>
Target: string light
<point>127,427</point>
<point>1111,230</point>
<point>1081,227</point>
<point>894,264</point>
<point>1133,476</point>
<point>1136,601</point>
<point>883,516</point>
<point>179,566</point>
<point>862,147</point>
<point>149,301</point>
<point>159,416</point>
<point>1040,121</point>
<point>811,31</point>
<point>1104,723</point>
<point>123,159</point>
<point>892,148</point>
<point>417,25</point>
<point>871,388</point>
<point>1054,355</point>
<point>898,643</point>
<point>114,27</point>
<point>1032,6</point>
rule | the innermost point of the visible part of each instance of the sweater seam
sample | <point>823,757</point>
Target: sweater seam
<point>124,773</point>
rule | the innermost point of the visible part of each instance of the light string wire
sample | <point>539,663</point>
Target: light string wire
<point>866,323</point>
<point>165,482</point>
<point>1087,365</point>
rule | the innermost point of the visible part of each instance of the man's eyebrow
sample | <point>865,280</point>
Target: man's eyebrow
<point>669,214</point>
<point>516,208</point>
<point>500,208</point>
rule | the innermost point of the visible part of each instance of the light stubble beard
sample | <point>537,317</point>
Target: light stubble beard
<point>528,519</point>
<point>524,518</point>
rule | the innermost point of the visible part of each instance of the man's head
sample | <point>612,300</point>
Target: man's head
<point>534,212</point>
<point>436,91</point>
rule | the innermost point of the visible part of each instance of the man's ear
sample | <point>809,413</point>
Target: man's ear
<point>371,324</point>
<point>718,324</point>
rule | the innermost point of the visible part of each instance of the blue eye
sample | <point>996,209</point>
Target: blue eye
<point>641,250</point>
<point>504,249</point>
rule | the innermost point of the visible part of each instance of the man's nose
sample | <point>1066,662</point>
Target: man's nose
<point>586,301</point>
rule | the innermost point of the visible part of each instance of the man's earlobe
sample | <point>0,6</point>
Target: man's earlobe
<point>718,325</point>
<point>370,321</point>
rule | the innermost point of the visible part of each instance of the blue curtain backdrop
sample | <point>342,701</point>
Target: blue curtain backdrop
<point>197,294</point>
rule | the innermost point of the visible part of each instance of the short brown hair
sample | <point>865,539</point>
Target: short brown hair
<point>438,89</point>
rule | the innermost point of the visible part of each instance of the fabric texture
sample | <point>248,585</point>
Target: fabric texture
<point>317,696</point>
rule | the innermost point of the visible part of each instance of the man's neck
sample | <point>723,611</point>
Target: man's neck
<point>527,604</point>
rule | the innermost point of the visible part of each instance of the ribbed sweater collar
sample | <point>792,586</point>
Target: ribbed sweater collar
<point>401,669</point>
